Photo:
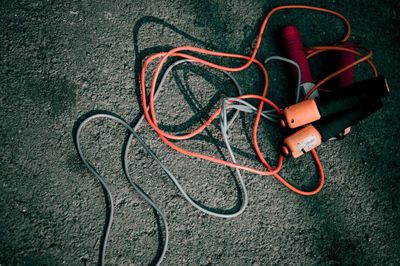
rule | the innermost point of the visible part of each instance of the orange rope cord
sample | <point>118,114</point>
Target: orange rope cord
<point>164,136</point>
<point>320,49</point>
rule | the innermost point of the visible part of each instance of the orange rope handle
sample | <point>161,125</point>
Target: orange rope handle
<point>151,116</point>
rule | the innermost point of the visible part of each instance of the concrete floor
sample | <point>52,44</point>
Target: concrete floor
<point>62,59</point>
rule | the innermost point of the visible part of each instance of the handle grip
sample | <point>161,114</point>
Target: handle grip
<point>295,51</point>
<point>347,77</point>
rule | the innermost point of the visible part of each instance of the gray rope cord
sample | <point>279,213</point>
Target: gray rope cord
<point>132,135</point>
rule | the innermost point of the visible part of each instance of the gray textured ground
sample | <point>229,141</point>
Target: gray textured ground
<point>60,60</point>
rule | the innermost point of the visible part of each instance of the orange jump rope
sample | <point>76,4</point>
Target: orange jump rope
<point>150,115</point>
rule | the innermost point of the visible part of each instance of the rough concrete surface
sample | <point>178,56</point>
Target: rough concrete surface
<point>63,59</point>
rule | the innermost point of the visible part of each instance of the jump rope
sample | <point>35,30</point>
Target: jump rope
<point>319,118</point>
